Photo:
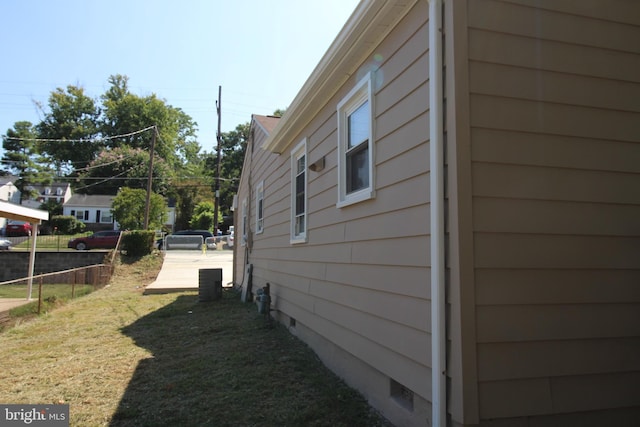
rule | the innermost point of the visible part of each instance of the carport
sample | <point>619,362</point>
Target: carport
<point>33,216</point>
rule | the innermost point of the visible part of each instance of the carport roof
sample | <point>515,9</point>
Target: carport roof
<point>22,213</point>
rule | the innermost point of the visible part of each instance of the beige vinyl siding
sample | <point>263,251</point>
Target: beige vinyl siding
<point>555,137</point>
<point>361,279</point>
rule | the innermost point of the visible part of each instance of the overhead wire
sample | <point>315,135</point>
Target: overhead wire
<point>96,139</point>
<point>104,179</point>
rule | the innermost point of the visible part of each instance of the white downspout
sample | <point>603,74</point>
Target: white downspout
<point>436,141</point>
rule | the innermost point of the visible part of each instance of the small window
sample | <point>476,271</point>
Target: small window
<point>260,207</point>
<point>299,193</point>
<point>355,145</point>
<point>80,215</point>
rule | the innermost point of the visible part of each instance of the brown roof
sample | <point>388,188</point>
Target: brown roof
<point>268,123</point>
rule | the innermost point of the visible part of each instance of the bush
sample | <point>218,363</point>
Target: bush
<point>138,242</point>
<point>66,224</point>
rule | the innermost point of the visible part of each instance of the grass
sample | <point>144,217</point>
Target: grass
<point>57,241</point>
<point>119,358</point>
<point>53,295</point>
<point>48,290</point>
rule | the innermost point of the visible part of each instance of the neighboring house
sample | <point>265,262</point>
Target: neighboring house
<point>58,191</point>
<point>94,210</point>
<point>8,193</point>
<point>455,228</point>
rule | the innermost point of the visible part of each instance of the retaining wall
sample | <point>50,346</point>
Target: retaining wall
<point>15,264</point>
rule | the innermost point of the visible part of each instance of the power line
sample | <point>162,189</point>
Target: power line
<point>105,180</point>
<point>97,139</point>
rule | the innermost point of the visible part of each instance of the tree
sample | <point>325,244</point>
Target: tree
<point>21,157</point>
<point>129,208</point>
<point>188,194</point>
<point>124,167</point>
<point>72,116</point>
<point>52,206</point>
<point>203,215</point>
<point>124,113</point>
<point>55,209</point>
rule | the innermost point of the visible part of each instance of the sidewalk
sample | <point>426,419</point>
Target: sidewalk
<point>7,304</point>
<point>180,270</point>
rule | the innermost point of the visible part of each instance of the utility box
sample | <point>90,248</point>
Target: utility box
<point>210,284</point>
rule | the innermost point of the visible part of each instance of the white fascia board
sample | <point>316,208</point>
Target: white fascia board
<point>369,24</point>
<point>22,213</point>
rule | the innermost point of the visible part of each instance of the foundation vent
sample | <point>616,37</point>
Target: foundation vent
<point>401,395</point>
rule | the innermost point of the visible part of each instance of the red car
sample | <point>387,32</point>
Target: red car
<point>98,240</point>
<point>18,228</point>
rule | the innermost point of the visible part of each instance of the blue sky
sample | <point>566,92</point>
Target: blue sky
<point>260,52</point>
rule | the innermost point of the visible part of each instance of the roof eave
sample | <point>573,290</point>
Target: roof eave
<point>371,21</point>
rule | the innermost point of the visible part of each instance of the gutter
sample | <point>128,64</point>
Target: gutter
<point>436,147</point>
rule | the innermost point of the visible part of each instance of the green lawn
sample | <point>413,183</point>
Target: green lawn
<point>56,242</point>
<point>53,295</point>
<point>119,358</point>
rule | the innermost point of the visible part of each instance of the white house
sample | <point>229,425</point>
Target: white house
<point>8,193</point>
<point>92,209</point>
<point>58,191</point>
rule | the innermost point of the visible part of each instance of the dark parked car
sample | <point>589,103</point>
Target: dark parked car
<point>206,234</point>
<point>98,240</point>
<point>18,228</point>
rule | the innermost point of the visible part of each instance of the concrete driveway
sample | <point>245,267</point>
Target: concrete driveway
<point>180,270</point>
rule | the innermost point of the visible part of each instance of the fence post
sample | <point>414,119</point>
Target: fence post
<point>39,296</point>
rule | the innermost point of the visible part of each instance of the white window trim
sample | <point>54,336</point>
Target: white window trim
<point>296,153</point>
<point>363,91</point>
<point>260,212</point>
<point>109,215</point>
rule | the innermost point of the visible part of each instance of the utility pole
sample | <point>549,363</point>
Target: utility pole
<point>149,180</point>
<point>217,183</point>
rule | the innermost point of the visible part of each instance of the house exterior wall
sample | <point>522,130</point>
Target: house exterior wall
<point>9,193</point>
<point>357,290</point>
<point>59,192</point>
<point>90,216</point>
<point>542,130</point>
<point>553,140</point>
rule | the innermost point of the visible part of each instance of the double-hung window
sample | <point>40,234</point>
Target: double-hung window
<point>105,216</point>
<point>82,215</point>
<point>355,144</point>
<point>260,207</point>
<point>299,193</point>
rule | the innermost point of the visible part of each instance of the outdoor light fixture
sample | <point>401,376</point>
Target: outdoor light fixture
<point>318,165</point>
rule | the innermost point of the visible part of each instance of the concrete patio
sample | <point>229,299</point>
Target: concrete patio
<point>180,270</point>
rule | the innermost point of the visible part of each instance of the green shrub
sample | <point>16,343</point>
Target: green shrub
<point>66,224</point>
<point>138,242</point>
